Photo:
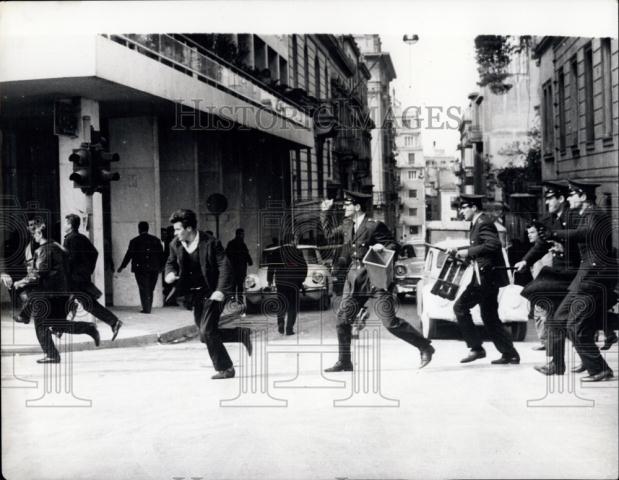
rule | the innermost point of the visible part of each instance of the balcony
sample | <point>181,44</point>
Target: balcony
<point>351,143</point>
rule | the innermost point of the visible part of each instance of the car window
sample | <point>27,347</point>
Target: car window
<point>440,260</point>
<point>310,255</point>
<point>429,260</point>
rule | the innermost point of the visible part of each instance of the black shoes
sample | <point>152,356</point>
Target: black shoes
<point>340,367</point>
<point>280,328</point>
<point>115,329</point>
<point>227,373</point>
<point>426,356</point>
<point>26,320</point>
<point>507,359</point>
<point>474,355</point>
<point>289,332</point>
<point>578,368</point>
<point>550,369</point>
<point>608,341</point>
<point>599,377</point>
<point>246,340</point>
<point>49,360</point>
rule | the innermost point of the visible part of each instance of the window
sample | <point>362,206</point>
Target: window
<point>561,110</point>
<point>413,230</point>
<point>412,194</point>
<point>411,159</point>
<point>412,212</point>
<point>607,87</point>
<point>412,174</point>
<point>320,171</point>
<point>306,66</point>
<point>548,116</point>
<point>408,140</point>
<point>309,157</point>
<point>589,132</point>
<point>317,76</point>
<point>326,82</point>
<point>297,161</point>
<point>295,62</point>
<point>574,107</point>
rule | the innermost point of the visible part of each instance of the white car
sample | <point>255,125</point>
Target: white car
<point>409,269</point>
<point>316,287</point>
<point>513,308</point>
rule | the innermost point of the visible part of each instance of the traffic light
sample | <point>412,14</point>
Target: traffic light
<point>82,168</point>
<point>101,167</point>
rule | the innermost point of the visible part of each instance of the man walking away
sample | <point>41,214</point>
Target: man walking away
<point>239,257</point>
<point>145,253</point>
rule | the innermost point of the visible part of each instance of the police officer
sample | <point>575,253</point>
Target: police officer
<point>361,233</point>
<point>549,287</point>
<point>589,292</point>
<point>485,251</point>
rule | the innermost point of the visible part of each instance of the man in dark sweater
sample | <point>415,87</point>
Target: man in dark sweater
<point>198,263</point>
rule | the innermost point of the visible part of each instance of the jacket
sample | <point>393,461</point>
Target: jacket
<point>593,234</point>
<point>486,249</point>
<point>49,272</point>
<point>145,253</point>
<point>214,264</point>
<point>82,259</point>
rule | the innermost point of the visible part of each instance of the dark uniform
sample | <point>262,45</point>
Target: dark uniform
<point>589,292</point>
<point>358,290</point>
<point>485,249</point>
<point>146,255</point>
<point>549,287</point>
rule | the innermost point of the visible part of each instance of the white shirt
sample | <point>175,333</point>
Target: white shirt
<point>191,247</point>
<point>359,221</point>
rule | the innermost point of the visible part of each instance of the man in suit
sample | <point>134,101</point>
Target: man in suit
<point>289,269</point>
<point>198,263</point>
<point>82,260</point>
<point>361,233</point>
<point>145,253</point>
<point>590,292</point>
<point>239,257</point>
<point>485,252</point>
<point>550,285</point>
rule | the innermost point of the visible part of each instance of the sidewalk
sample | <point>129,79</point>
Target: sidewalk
<point>163,325</point>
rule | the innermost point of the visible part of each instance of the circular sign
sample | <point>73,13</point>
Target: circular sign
<point>216,203</point>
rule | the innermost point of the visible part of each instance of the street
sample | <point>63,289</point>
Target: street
<point>155,413</point>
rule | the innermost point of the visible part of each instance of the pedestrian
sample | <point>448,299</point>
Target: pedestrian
<point>361,233</point>
<point>287,269</point>
<point>146,255</point>
<point>485,252</point>
<point>20,295</point>
<point>49,296</point>
<point>550,285</point>
<point>239,257</point>
<point>583,310</point>
<point>82,260</point>
<point>198,263</point>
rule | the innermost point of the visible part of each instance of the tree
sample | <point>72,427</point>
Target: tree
<point>494,53</point>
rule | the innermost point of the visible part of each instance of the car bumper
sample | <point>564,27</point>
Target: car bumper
<point>406,285</point>
<point>312,294</point>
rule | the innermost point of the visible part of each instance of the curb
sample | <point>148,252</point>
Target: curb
<point>170,336</point>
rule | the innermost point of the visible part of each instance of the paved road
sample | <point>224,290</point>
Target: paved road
<point>155,413</point>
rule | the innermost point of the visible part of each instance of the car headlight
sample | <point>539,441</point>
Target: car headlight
<point>318,278</point>
<point>400,270</point>
<point>250,281</point>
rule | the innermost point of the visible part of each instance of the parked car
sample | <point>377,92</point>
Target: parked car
<point>432,309</point>
<point>316,287</point>
<point>409,269</point>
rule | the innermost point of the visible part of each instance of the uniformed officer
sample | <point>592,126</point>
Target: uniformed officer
<point>361,233</point>
<point>485,251</point>
<point>588,295</point>
<point>552,282</point>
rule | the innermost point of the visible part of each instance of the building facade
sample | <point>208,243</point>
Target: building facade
<point>384,178</point>
<point>411,169</point>
<point>442,185</point>
<point>189,115</point>
<point>578,92</point>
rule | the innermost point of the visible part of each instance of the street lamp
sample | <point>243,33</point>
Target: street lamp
<point>410,40</point>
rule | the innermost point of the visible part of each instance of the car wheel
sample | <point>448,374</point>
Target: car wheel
<point>519,331</point>
<point>325,302</point>
<point>429,328</point>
